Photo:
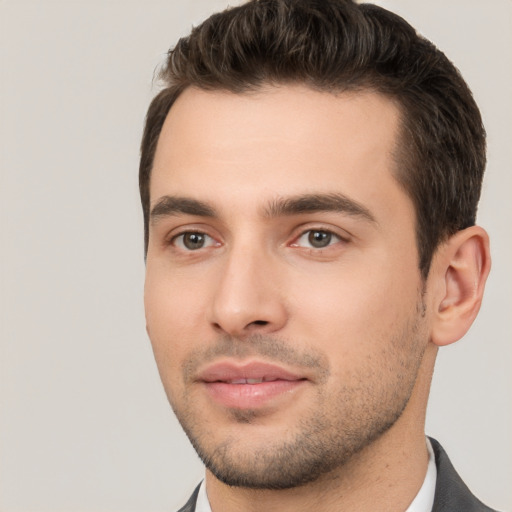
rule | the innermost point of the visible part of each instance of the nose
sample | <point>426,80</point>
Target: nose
<point>248,298</point>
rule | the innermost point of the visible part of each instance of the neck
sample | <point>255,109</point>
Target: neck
<point>389,471</point>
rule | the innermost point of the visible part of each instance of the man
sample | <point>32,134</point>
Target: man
<point>309,179</point>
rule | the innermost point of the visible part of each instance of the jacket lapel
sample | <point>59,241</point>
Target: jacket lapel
<point>452,494</point>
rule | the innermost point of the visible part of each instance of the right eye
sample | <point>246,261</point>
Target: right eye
<point>193,240</point>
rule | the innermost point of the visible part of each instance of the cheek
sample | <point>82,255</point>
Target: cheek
<point>173,319</point>
<point>353,311</point>
<point>172,298</point>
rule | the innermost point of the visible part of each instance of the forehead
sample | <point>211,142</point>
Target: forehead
<point>278,141</point>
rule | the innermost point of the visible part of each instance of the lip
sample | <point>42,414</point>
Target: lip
<point>250,385</point>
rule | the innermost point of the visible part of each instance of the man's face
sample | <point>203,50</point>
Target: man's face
<point>283,297</point>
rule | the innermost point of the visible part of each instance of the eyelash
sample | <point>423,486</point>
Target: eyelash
<point>174,239</point>
<point>328,233</point>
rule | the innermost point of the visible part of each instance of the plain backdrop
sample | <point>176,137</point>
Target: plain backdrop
<point>84,423</point>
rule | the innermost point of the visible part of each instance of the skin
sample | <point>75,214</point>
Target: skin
<point>353,319</point>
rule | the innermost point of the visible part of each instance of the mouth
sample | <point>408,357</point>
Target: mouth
<point>250,381</point>
<point>251,385</point>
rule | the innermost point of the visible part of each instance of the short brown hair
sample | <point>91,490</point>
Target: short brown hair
<point>338,45</point>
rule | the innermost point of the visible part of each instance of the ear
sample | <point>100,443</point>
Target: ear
<point>460,269</point>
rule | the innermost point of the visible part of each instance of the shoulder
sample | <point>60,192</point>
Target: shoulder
<point>190,506</point>
<point>452,494</point>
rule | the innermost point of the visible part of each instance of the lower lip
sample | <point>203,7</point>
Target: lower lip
<point>250,396</point>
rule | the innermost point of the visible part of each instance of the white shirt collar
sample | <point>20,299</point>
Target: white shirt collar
<point>423,501</point>
<point>202,503</point>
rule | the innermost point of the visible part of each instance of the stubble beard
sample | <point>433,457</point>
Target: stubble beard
<point>328,436</point>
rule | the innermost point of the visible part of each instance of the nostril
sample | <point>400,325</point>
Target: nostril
<point>249,327</point>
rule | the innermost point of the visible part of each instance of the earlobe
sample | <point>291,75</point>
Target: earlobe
<point>462,265</point>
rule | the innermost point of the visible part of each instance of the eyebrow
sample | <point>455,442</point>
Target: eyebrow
<point>312,203</point>
<point>168,206</point>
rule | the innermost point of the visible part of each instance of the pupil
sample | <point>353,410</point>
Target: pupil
<point>319,238</point>
<point>193,240</point>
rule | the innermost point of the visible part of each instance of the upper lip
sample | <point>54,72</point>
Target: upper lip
<point>237,373</point>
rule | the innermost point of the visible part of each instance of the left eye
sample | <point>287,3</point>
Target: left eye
<point>192,241</point>
<point>317,238</point>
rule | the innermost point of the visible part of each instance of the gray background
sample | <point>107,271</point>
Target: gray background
<point>84,424</point>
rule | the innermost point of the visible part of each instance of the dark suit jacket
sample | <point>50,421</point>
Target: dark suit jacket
<point>452,495</point>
